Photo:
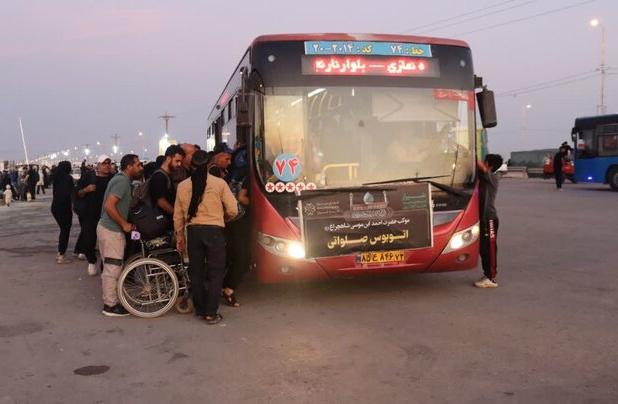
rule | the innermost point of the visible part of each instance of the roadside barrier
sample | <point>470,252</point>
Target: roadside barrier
<point>516,172</point>
<point>535,173</point>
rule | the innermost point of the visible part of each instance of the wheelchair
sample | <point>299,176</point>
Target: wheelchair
<point>155,280</point>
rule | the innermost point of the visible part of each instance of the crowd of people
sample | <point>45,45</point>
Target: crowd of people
<point>200,199</point>
<point>23,183</point>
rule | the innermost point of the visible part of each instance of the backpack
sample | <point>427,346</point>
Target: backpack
<point>147,217</point>
<point>240,165</point>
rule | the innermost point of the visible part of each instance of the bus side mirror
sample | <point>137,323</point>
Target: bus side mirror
<point>574,133</point>
<point>487,108</point>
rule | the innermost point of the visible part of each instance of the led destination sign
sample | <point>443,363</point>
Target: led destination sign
<point>367,48</point>
<point>369,66</point>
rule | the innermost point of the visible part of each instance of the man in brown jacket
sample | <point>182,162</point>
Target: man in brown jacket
<point>203,202</point>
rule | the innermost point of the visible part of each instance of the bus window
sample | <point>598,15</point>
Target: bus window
<point>608,140</point>
<point>585,145</point>
<point>608,145</point>
<point>346,136</point>
<point>284,125</point>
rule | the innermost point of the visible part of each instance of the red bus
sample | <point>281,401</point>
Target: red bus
<point>362,153</point>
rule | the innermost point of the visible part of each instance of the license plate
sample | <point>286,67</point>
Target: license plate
<point>380,257</point>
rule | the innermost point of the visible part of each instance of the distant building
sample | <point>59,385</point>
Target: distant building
<point>530,158</point>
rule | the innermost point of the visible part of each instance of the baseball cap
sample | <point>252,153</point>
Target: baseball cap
<point>102,158</point>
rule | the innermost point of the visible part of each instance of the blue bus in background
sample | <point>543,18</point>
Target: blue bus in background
<point>596,149</point>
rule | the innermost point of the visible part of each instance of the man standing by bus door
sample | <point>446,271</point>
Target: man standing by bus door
<point>488,188</point>
<point>558,162</point>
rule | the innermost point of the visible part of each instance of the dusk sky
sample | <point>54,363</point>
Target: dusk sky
<point>77,72</point>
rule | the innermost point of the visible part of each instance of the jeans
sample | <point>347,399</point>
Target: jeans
<point>206,248</point>
<point>64,218</point>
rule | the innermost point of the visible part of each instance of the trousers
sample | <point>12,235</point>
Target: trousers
<point>206,249</point>
<point>64,218</point>
<point>238,257</point>
<point>87,240</point>
<point>559,177</point>
<point>489,247</point>
<point>111,246</point>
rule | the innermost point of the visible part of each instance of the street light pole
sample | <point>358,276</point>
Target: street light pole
<point>601,108</point>
<point>603,67</point>
<point>167,118</point>
<point>23,140</point>
<point>524,127</point>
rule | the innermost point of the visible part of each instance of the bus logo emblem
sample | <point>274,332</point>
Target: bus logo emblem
<point>287,167</point>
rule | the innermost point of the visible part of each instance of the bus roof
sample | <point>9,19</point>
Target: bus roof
<point>360,37</point>
<point>592,121</point>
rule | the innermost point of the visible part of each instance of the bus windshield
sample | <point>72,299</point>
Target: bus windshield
<point>349,136</point>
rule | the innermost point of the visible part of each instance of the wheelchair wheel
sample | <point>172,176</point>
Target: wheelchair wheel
<point>184,304</point>
<point>148,288</point>
<point>132,258</point>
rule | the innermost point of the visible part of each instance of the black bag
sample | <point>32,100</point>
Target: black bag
<point>147,217</point>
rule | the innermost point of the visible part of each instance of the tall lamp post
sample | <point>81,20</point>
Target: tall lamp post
<point>601,108</point>
<point>524,123</point>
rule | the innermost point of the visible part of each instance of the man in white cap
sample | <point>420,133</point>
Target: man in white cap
<point>90,191</point>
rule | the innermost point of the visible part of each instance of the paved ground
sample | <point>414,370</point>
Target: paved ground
<point>548,334</point>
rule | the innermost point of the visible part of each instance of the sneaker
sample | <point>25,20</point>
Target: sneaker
<point>92,269</point>
<point>115,311</point>
<point>485,282</point>
<point>61,259</point>
<point>212,320</point>
<point>81,257</point>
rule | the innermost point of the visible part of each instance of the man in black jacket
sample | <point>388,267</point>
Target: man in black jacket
<point>558,162</point>
<point>33,178</point>
<point>162,191</point>
<point>90,191</point>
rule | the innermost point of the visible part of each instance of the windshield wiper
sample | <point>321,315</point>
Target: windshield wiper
<point>446,188</point>
<point>411,179</point>
<point>330,191</point>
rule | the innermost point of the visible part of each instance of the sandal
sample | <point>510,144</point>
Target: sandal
<point>230,299</point>
<point>212,320</point>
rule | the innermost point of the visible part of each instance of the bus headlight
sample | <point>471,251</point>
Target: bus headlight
<point>296,250</point>
<point>281,247</point>
<point>463,239</point>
